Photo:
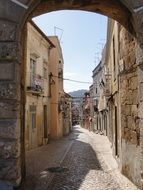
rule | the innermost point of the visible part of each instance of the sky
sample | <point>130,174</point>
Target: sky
<point>82,37</point>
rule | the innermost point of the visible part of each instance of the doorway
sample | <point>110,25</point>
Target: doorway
<point>45,121</point>
<point>33,128</point>
<point>116,132</point>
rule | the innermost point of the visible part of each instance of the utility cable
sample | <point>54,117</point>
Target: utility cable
<point>85,82</point>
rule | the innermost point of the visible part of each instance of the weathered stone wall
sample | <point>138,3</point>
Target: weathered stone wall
<point>38,49</point>
<point>10,133</point>
<point>10,93</point>
<point>139,55</point>
<point>129,99</point>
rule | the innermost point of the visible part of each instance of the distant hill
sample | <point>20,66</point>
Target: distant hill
<point>78,93</point>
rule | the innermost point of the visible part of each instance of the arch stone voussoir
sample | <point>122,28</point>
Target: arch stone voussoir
<point>111,8</point>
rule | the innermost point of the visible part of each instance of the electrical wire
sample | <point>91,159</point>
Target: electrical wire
<point>71,80</point>
<point>77,81</point>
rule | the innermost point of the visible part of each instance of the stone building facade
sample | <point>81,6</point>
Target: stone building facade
<point>85,111</point>
<point>123,100</point>
<point>37,108</point>
<point>129,101</point>
<point>60,101</point>
<point>118,108</point>
<point>98,103</point>
<point>96,75</point>
<point>67,113</point>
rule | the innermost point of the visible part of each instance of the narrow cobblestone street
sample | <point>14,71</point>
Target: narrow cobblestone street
<point>87,164</point>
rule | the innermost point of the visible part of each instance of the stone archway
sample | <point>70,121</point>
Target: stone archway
<point>13,15</point>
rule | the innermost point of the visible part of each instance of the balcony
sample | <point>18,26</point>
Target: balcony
<point>35,83</point>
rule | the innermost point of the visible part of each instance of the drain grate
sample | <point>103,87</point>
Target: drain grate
<point>57,169</point>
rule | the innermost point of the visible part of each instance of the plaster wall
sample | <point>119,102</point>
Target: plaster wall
<point>38,49</point>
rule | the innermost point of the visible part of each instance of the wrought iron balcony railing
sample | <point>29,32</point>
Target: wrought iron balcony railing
<point>35,83</point>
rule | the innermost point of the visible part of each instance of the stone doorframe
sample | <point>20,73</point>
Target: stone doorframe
<point>13,16</point>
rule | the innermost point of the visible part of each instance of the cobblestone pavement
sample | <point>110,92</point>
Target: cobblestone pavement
<point>87,163</point>
<point>39,159</point>
<point>87,170</point>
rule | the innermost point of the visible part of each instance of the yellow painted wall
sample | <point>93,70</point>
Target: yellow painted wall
<point>56,122</point>
<point>38,49</point>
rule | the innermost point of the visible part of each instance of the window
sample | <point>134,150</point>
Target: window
<point>44,73</point>
<point>32,109</point>
<point>45,121</point>
<point>32,71</point>
<point>32,66</point>
<point>114,60</point>
<point>96,90</point>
